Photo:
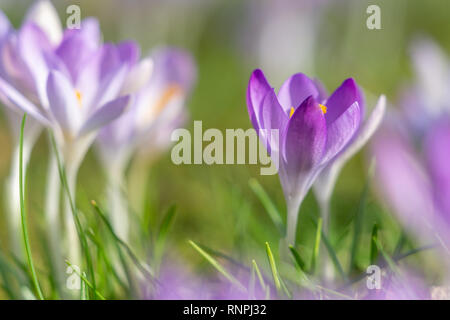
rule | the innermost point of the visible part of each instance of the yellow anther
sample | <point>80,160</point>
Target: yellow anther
<point>324,108</point>
<point>79,97</point>
<point>291,112</point>
<point>170,92</point>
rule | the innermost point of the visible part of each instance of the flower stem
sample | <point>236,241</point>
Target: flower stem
<point>52,217</point>
<point>326,265</point>
<point>74,254</point>
<point>293,208</point>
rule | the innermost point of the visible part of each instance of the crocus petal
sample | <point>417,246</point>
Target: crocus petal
<point>110,86</point>
<point>76,49</point>
<point>341,131</point>
<point>403,182</point>
<point>105,114</point>
<point>272,117</point>
<point>63,102</point>
<point>173,66</point>
<point>138,76</point>
<point>295,90</point>
<point>258,87</point>
<point>35,49</point>
<point>326,180</point>
<point>43,14</point>
<point>128,52</point>
<point>15,98</point>
<point>437,149</point>
<point>305,137</point>
<point>5,25</point>
<point>343,98</point>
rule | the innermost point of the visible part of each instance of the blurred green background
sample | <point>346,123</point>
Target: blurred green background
<point>215,205</point>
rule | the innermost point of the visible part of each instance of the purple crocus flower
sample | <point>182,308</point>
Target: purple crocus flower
<point>145,129</point>
<point>16,73</point>
<point>313,130</point>
<point>414,178</point>
<point>71,86</point>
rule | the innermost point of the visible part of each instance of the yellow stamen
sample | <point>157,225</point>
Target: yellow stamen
<point>79,98</point>
<point>291,112</point>
<point>168,94</point>
<point>324,108</point>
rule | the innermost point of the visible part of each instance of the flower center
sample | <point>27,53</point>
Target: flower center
<point>324,110</point>
<point>170,92</point>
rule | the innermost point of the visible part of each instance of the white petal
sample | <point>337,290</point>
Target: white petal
<point>138,76</point>
<point>44,14</point>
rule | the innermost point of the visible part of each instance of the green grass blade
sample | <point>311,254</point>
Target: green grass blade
<point>86,281</point>
<point>271,210</point>
<point>142,267</point>
<point>333,256</point>
<point>358,226</point>
<point>316,246</point>
<point>273,267</point>
<point>391,263</point>
<point>162,234</point>
<point>259,275</point>
<point>217,266</point>
<point>373,244</point>
<point>23,217</point>
<point>298,260</point>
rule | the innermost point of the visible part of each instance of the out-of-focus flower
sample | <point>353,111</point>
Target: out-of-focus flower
<point>313,129</point>
<point>416,182</point>
<point>16,73</point>
<point>412,151</point>
<point>158,108</point>
<point>427,99</point>
<point>71,86</point>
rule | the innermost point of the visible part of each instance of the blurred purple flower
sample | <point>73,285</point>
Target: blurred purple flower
<point>15,73</point>
<point>160,85</point>
<point>168,76</point>
<point>67,81</point>
<point>415,180</point>
<point>427,98</point>
<point>313,130</point>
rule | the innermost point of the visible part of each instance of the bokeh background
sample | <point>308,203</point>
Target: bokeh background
<point>228,39</point>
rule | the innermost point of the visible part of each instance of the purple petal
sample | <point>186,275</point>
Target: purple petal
<point>5,26</point>
<point>129,52</point>
<point>271,117</point>
<point>105,115</point>
<point>258,87</point>
<point>36,52</point>
<point>342,99</point>
<point>341,131</point>
<point>110,87</point>
<point>437,150</point>
<point>295,90</point>
<point>173,66</point>
<point>63,102</point>
<point>76,49</point>
<point>403,182</point>
<point>16,99</point>
<point>305,137</point>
